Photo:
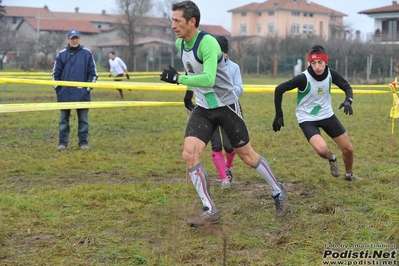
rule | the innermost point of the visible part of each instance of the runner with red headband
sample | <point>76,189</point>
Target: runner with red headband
<point>314,110</point>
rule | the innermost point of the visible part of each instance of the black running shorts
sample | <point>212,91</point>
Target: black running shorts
<point>203,122</point>
<point>332,126</point>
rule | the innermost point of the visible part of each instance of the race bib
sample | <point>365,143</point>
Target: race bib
<point>211,100</point>
<point>315,110</point>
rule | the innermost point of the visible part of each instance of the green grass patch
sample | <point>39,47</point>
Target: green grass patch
<point>125,201</point>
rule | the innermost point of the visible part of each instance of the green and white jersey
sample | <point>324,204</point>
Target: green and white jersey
<point>314,103</point>
<point>206,71</point>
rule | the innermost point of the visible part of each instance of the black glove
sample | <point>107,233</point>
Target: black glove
<point>188,103</point>
<point>278,122</point>
<point>109,75</point>
<point>127,75</point>
<point>347,106</point>
<point>169,75</point>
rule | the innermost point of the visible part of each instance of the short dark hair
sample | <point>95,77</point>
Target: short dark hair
<point>190,10</point>
<point>317,49</point>
<point>224,44</point>
<point>112,52</point>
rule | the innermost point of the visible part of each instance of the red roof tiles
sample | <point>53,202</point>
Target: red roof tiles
<point>385,9</point>
<point>297,5</point>
<point>27,12</point>
<point>214,30</point>
<point>87,16</point>
<point>62,25</point>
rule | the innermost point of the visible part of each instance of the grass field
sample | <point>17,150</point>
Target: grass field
<point>125,201</point>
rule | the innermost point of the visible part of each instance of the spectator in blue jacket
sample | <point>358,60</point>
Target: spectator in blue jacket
<point>74,63</point>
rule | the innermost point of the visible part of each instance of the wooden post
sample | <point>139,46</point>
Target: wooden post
<point>306,61</point>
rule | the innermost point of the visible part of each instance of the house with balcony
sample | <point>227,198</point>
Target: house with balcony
<point>386,23</point>
<point>287,17</point>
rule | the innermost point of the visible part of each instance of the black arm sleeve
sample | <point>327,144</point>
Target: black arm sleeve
<point>338,80</point>
<point>298,81</point>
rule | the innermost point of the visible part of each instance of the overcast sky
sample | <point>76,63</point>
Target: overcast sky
<point>214,12</point>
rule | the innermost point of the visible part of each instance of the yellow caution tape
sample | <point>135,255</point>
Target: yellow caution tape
<point>394,113</point>
<point>19,73</point>
<point>99,79</point>
<point>332,86</point>
<point>271,89</point>
<point>165,86</point>
<point>395,106</point>
<point>27,107</point>
<point>103,85</point>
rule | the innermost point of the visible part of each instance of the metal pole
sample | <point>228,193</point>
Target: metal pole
<point>38,26</point>
<point>390,68</point>
<point>369,65</point>
<point>4,100</point>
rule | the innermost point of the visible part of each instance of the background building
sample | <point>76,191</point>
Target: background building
<point>386,23</point>
<point>286,17</point>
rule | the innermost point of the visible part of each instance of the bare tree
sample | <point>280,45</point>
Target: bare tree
<point>26,54</point>
<point>2,10</point>
<point>266,49</point>
<point>132,13</point>
<point>50,42</point>
<point>8,42</point>
<point>47,47</point>
<point>8,37</point>
<point>237,51</point>
<point>163,8</point>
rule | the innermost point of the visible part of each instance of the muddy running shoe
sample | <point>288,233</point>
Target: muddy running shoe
<point>61,147</point>
<point>352,177</point>
<point>334,168</point>
<point>281,202</point>
<point>225,184</point>
<point>205,219</point>
<point>85,147</point>
<point>229,173</point>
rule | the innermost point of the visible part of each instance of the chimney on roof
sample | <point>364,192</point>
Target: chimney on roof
<point>394,3</point>
<point>358,35</point>
<point>103,12</point>
<point>76,9</point>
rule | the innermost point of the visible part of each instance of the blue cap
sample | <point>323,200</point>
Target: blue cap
<point>73,33</point>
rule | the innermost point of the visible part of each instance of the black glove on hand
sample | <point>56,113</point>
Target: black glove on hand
<point>278,122</point>
<point>347,106</point>
<point>127,75</point>
<point>109,75</point>
<point>188,102</point>
<point>169,75</point>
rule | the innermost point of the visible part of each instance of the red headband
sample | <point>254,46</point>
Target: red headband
<point>323,57</point>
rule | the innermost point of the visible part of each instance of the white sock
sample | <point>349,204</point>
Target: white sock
<point>198,178</point>
<point>263,168</point>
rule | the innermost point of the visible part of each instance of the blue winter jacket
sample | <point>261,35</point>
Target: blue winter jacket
<point>81,68</point>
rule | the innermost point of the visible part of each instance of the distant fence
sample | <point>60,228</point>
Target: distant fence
<point>369,69</point>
